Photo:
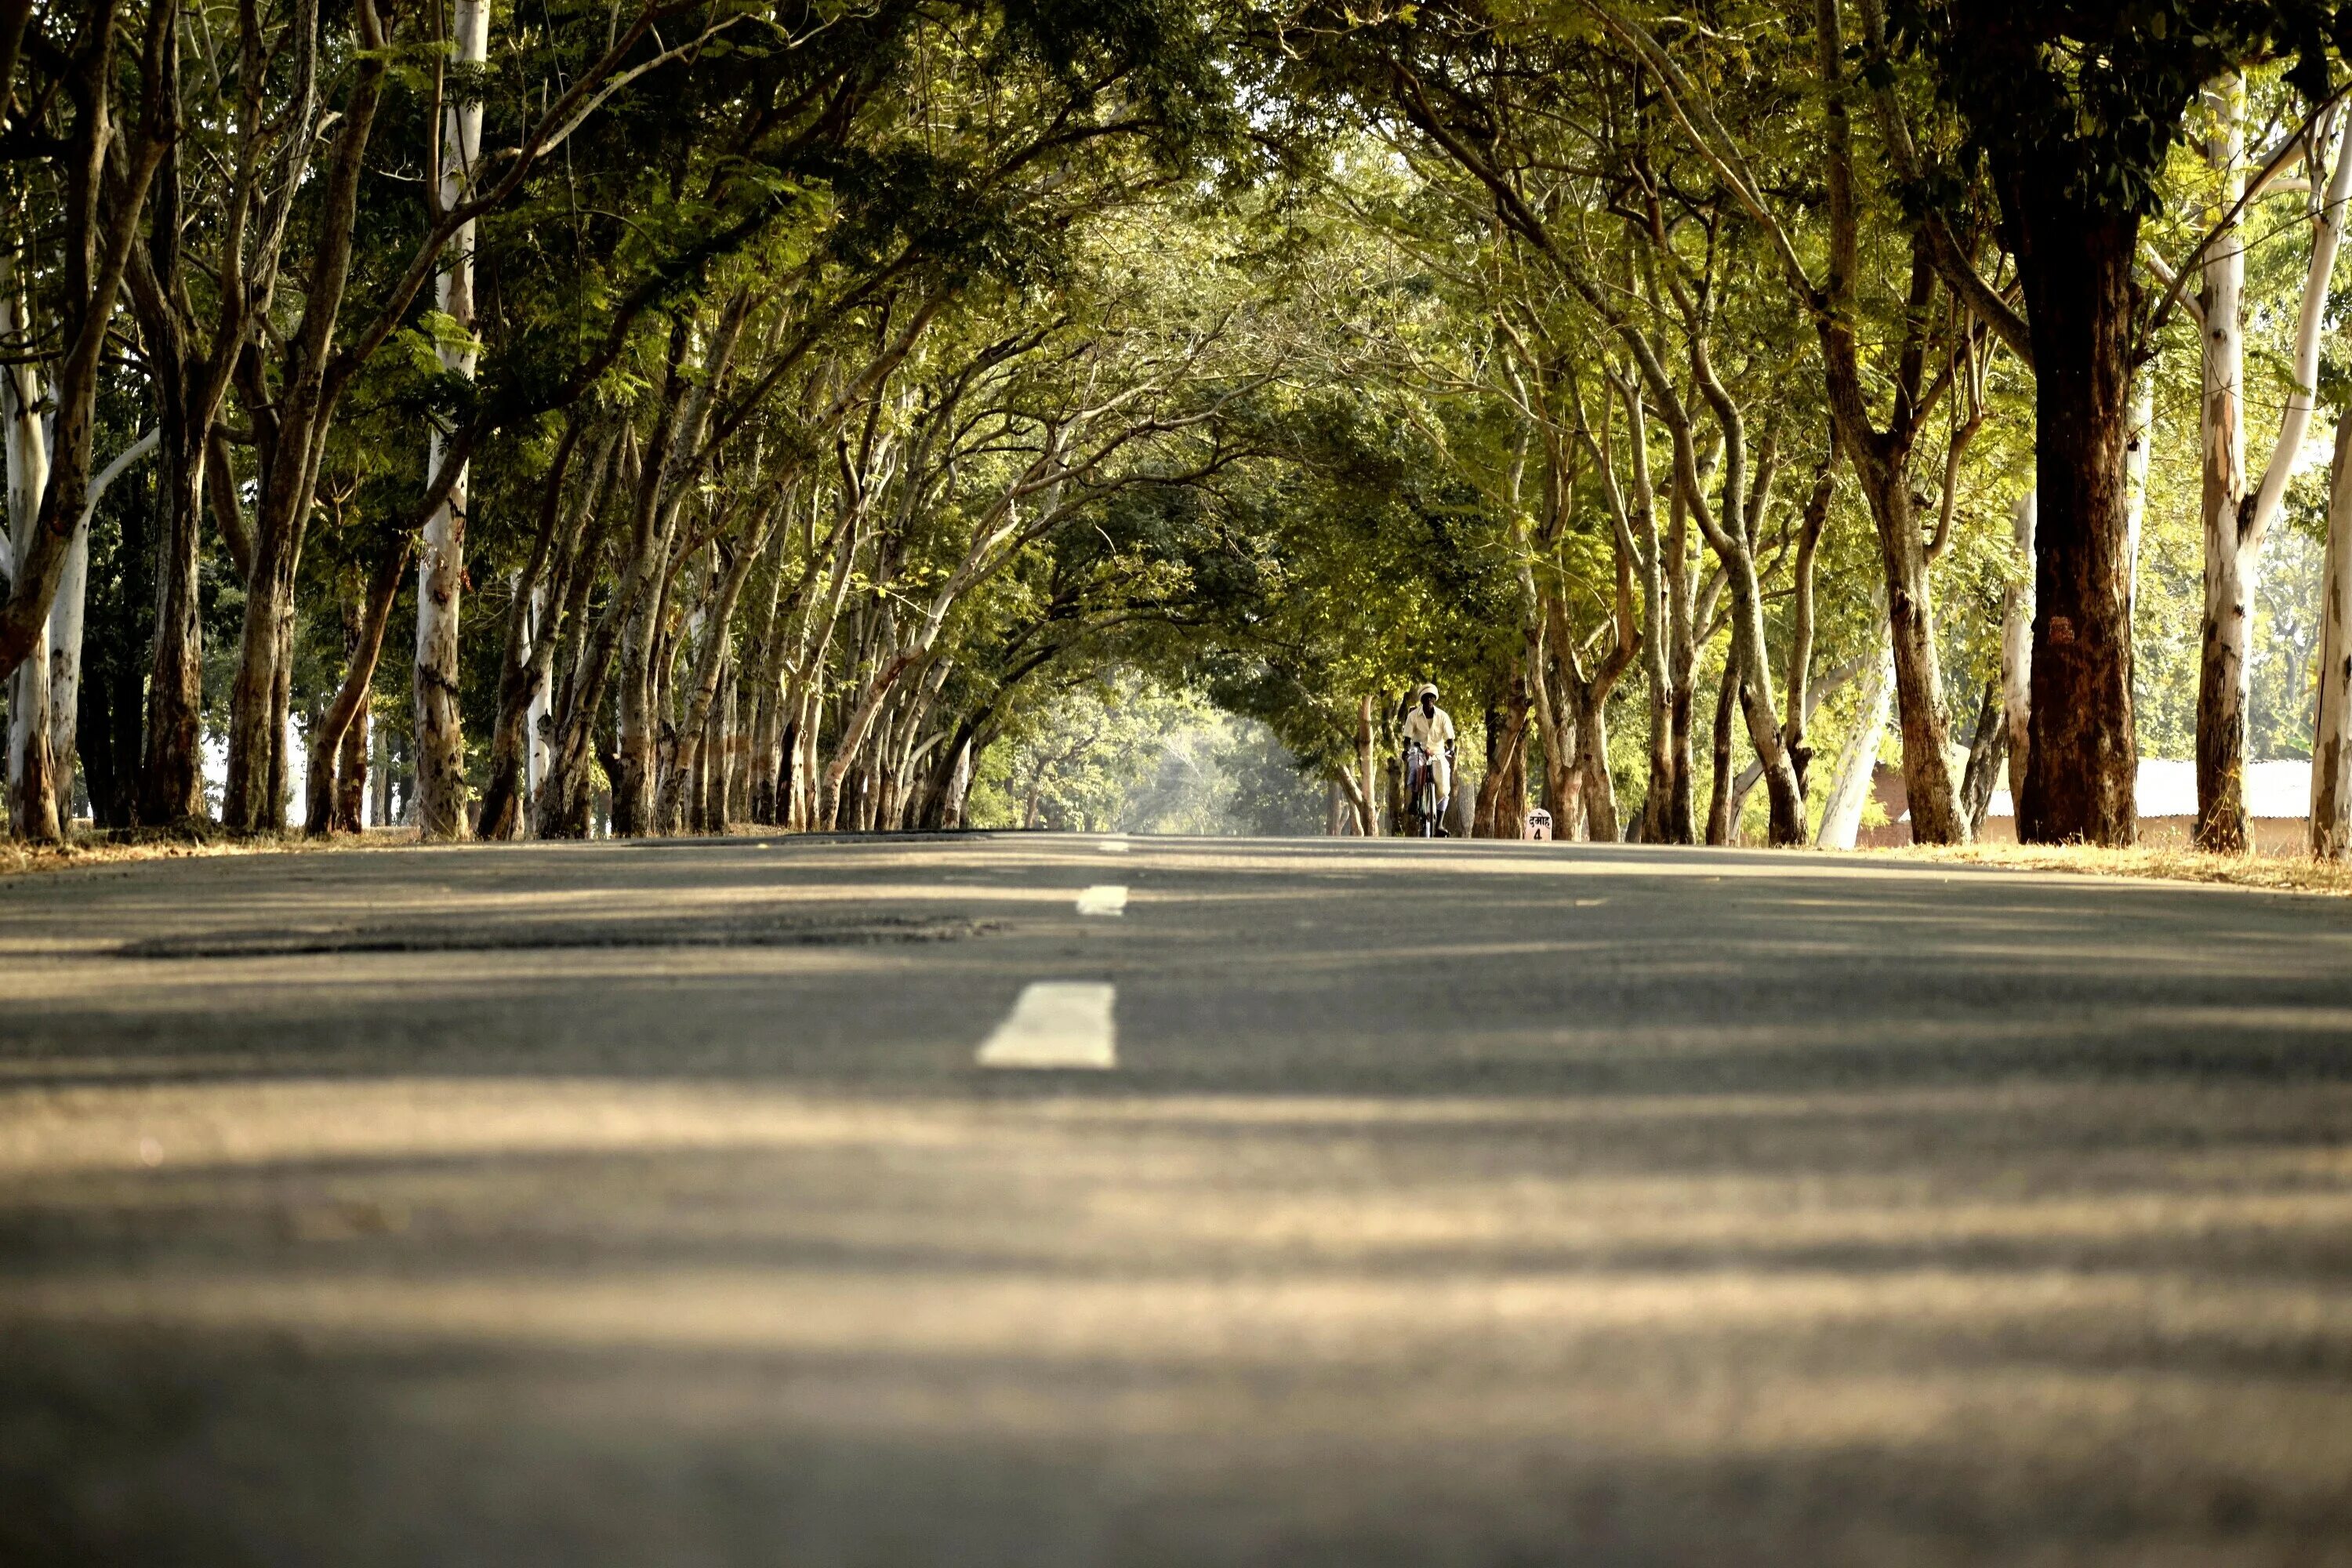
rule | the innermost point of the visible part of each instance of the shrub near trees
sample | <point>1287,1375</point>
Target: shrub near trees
<point>703,411</point>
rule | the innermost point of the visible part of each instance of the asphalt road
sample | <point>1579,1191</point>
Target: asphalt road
<point>1481,1204</point>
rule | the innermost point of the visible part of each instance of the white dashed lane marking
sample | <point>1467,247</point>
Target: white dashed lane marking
<point>1056,1024</point>
<point>1113,846</point>
<point>1109,899</point>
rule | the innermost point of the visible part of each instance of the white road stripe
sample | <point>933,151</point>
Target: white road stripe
<point>1113,847</point>
<point>1056,1024</point>
<point>1108,899</point>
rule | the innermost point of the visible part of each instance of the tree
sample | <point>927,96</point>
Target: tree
<point>2072,106</point>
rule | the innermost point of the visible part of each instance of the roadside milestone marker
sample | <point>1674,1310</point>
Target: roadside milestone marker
<point>1108,898</point>
<point>1056,1024</point>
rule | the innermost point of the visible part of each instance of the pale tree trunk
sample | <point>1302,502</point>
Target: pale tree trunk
<point>2017,648</point>
<point>1881,459</point>
<point>549,595</point>
<point>710,661</point>
<point>1596,789</point>
<point>2331,748</point>
<point>2221,440</point>
<point>849,747</point>
<point>32,785</point>
<point>2139,456</point>
<point>65,665</point>
<point>66,620</point>
<point>800,750</point>
<point>2235,533</point>
<point>1368,801</point>
<point>763,670</point>
<point>1733,537</point>
<point>541,709</point>
<point>1797,695</point>
<point>1918,676</point>
<point>441,563</point>
<point>737,805</point>
<point>1841,814</point>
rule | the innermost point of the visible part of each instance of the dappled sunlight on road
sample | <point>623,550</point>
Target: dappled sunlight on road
<point>1592,1202</point>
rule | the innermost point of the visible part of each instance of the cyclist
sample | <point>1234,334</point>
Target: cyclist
<point>1430,728</point>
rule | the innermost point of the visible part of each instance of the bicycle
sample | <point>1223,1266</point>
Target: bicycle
<point>1424,808</point>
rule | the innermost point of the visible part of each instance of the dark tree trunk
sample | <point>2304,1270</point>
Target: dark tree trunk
<point>328,752</point>
<point>1719,825</point>
<point>2075,263</point>
<point>171,783</point>
<point>352,774</point>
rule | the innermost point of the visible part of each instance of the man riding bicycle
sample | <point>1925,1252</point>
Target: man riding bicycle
<point>1429,742</point>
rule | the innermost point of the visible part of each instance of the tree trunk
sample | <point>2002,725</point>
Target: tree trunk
<point>633,787</point>
<point>1882,460</point>
<point>67,615</point>
<point>763,670</point>
<point>1719,825</point>
<point>1797,693</point>
<point>1555,717</point>
<point>322,813</point>
<point>441,562</point>
<point>292,419</point>
<point>2075,259</point>
<point>352,771</point>
<point>170,774</point>
<point>551,595</point>
<point>32,781</point>
<point>1505,805</point>
<point>2141,456</point>
<point>2331,748</point>
<point>1668,812</point>
<point>1596,789</point>
<point>711,659</point>
<point>2222,667</point>
<point>248,804</point>
<point>380,769</point>
<point>2017,646</point>
<point>2235,533</point>
<point>1919,705</point>
<point>1987,746</point>
<point>1842,813</point>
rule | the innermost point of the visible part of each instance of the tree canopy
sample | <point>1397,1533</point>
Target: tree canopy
<point>908,413</point>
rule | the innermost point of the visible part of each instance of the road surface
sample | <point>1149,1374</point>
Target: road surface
<point>722,1202</point>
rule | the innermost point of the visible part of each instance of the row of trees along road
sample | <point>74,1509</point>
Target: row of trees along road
<point>758,409</point>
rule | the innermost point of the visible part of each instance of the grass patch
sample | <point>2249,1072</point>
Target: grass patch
<point>2279,873</point>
